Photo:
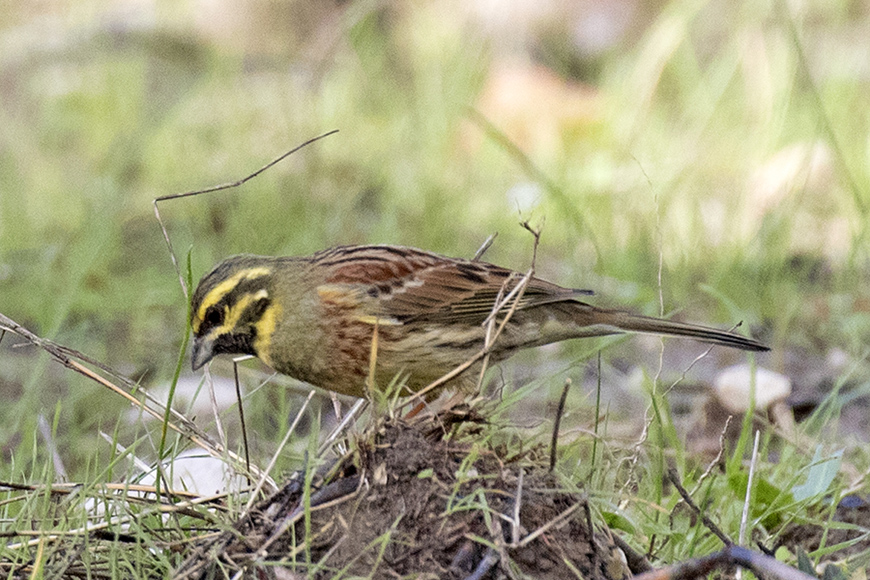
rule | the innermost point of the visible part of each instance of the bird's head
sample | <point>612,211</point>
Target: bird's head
<point>232,310</point>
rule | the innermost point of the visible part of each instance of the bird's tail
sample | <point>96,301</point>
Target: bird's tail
<point>628,322</point>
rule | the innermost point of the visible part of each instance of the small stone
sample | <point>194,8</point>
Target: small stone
<point>733,388</point>
<point>196,471</point>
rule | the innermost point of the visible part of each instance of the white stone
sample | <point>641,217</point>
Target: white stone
<point>733,387</point>
<point>196,471</point>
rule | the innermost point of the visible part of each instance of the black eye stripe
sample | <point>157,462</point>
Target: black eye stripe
<point>215,314</point>
<point>213,317</point>
<point>254,311</point>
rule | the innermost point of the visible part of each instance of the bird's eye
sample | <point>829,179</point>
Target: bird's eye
<point>214,316</point>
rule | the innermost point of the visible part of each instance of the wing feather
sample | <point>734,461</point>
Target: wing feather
<point>412,285</point>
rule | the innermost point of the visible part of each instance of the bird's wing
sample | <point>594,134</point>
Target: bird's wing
<point>404,284</point>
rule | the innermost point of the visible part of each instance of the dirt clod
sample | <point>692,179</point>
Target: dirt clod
<point>415,503</point>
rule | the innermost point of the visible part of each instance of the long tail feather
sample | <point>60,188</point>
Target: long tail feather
<point>636,323</point>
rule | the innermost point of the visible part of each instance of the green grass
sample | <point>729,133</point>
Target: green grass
<point>725,151</point>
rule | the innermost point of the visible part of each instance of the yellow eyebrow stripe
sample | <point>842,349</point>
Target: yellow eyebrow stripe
<point>224,288</point>
<point>235,313</point>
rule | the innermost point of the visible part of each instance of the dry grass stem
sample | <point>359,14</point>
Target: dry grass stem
<point>744,518</point>
<point>484,247</point>
<point>563,516</point>
<point>221,187</point>
<point>262,481</point>
<point>181,424</point>
<point>715,462</point>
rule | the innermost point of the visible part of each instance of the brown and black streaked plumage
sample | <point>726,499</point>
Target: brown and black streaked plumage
<point>314,317</point>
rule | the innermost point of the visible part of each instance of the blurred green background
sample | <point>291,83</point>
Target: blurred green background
<point>715,154</point>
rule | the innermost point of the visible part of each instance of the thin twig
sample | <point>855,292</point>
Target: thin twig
<point>242,424</point>
<point>518,502</point>
<point>555,521</point>
<point>489,322</point>
<point>744,519</point>
<point>497,535</point>
<point>121,451</point>
<point>215,409</point>
<point>595,557</point>
<point>535,173</point>
<point>61,353</point>
<point>349,416</point>
<point>675,479</point>
<point>116,521</point>
<point>151,406</point>
<point>536,232</point>
<point>554,440</point>
<point>597,410</point>
<point>218,188</point>
<point>695,361</point>
<point>75,487</point>
<point>487,563</point>
<point>517,292</point>
<point>732,555</point>
<point>637,562</point>
<point>712,465</point>
<point>487,338</point>
<point>275,456</point>
<point>51,447</point>
<point>320,500</point>
<point>482,249</point>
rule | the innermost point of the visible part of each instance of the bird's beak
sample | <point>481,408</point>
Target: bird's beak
<point>203,351</point>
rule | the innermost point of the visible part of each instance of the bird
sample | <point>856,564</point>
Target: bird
<point>317,318</point>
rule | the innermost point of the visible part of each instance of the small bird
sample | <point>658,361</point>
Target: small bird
<point>315,317</point>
